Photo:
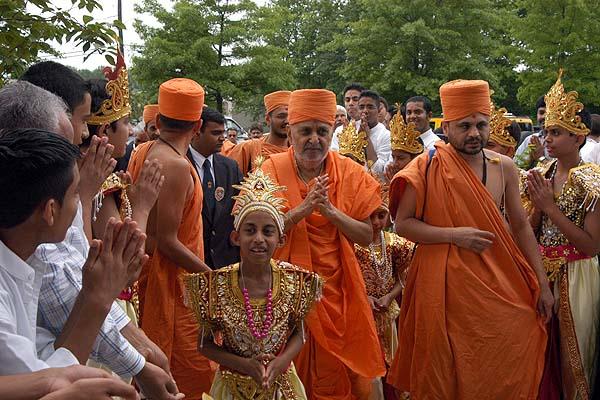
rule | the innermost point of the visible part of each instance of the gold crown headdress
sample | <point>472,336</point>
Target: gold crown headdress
<point>257,193</point>
<point>404,136</point>
<point>353,143</point>
<point>117,105</point>
<point>562,109</point>
<point>498,125</point>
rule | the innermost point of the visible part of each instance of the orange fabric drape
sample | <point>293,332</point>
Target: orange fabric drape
<point>246,152</point>
<point>165,318</point>
<point>342,342</point>
<point>468,322</point>
<point>227,147</point>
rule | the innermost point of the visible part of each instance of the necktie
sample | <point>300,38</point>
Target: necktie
<point>208,186</point>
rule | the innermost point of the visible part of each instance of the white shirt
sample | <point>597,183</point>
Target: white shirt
<point>199,161</point>
<point>380,137</point>
<point>589,151</point>
<point>19,292</point>
<point>62,264</point>
<point>429,138</point>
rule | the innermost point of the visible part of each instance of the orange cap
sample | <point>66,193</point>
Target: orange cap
<point>150,111</point>
<point>181,99</point>
<point>277,99</point>
<point>461,98</point>
<point>312,104</point>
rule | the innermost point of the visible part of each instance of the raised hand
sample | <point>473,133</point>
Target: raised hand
<point>115,262</point>
<point>96,165</point>
<point>144,192</point>
<point>541,191</point>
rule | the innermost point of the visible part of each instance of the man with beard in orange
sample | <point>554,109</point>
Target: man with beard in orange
<point>276,141</point>
<point>468,322</point>
<point>330,199</point>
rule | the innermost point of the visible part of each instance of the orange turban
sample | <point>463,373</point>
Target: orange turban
<point>461,98</point>
<point>181,99</point>
<point>277,99</point>
<point>312,104</point>
<point>150,112</point>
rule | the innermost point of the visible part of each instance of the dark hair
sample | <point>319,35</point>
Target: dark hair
<point>595,129</point>
<point>586,118</point>
<point>175,124</point>
<point>97,89</point>
<point>58,79</point>
<point>232,129</point>
<point>35,166</point>
<point>256,126</point>
<point>384,101</point>
<point>421,99</point>
<point>354,86</point>
<point>541,102</point>
<point>210,115</point>
<point>515,131</point>
<point>371,94</point>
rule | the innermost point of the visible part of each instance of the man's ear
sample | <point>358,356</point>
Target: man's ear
<point>49,210</point>
<point>445,126</point>
<point>234,237</point>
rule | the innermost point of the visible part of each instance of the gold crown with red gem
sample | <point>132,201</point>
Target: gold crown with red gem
<point>117,105</point>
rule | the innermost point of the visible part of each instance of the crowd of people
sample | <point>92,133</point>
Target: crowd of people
<point>349,253</point>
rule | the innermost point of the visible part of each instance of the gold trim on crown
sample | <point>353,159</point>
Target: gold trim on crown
<point>498,125</point>
<point>562,109</point>
<point>257,193</point>
<point>353,143</point>
<point>117,105</point>
<point>404,136</point>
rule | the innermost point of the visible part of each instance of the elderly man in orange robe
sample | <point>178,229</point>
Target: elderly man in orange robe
<point>175,229</point>
<point>276,141</point>
<point>330,199</point>
<point>468,324</point>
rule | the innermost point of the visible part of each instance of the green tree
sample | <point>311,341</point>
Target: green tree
<point>559,34</point>
<point>28,27</point>
<point>403,49</point>
<point>213,43</point>
<point>304,28</point>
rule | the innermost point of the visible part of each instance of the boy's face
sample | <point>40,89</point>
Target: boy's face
<point>257,237</point>
<point>379,219</point>
<point>64,213</point>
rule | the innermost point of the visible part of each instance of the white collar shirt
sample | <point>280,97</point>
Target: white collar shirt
<point>19,293</point>
<point>199,161</point>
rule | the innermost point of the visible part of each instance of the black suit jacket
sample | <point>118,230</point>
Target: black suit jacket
<point>218,250</point>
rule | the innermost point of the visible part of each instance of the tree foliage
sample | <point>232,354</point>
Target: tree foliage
<point>210,42</point>
<point>28,27</point>
<point>239,50</point>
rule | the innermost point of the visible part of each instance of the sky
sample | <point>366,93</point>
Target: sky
<point>72,55</point>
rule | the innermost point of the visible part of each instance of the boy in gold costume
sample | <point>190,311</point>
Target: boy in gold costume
<point>563,197</point>
<point>256,308</point>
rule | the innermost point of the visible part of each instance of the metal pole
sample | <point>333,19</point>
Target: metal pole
<point>120,16</point>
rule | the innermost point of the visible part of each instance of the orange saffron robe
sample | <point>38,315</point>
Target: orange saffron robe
<point>165,318</point>
<point>468,322</point>
<point>226,148</point>
<point>246,152</point>
<point>342,346</point>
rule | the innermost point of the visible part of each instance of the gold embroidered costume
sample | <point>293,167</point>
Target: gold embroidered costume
<point>381,268</point>
<point>218,304</point>
<point>576,279</point>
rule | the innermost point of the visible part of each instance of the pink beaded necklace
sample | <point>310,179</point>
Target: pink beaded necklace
<point>250,315</point>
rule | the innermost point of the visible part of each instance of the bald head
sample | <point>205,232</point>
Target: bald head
<point>24,105</point>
